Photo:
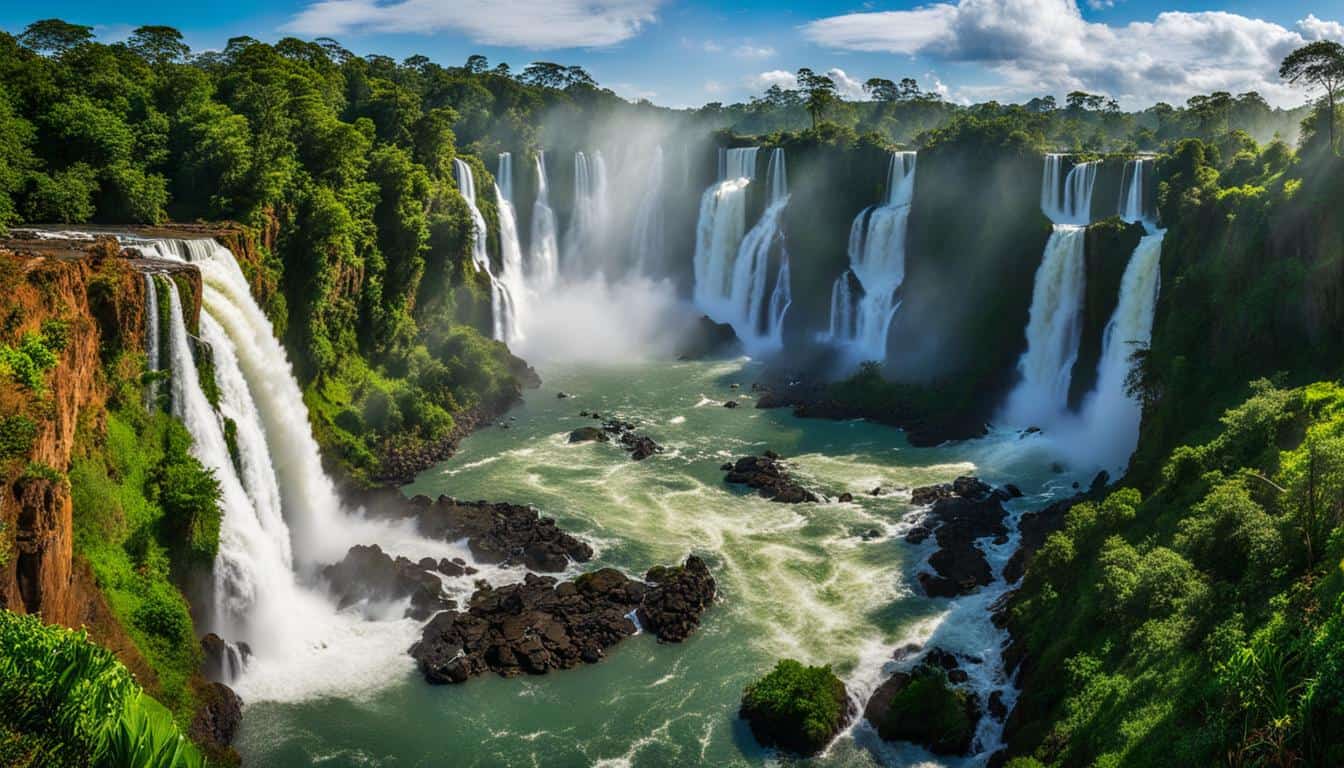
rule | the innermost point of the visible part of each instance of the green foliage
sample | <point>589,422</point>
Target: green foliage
<point>188,493</point>
<point>29,362</point>
<point>802,706</point>
<point>930,711</point>
<point>65,701</point>
<point>17,433</point>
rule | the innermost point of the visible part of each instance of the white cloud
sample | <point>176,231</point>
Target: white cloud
<point>748,51</point>
<point>1046,46</point>
<point>713,87</point>
<point>1313,28</point>
<point>778,77</point>
<point>848,87</point>
<point>536,24</point>
<point>711,47</point>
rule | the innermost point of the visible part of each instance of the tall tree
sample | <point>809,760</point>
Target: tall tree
<point>1318,65</point>
<point>55,36</point>
<point>160,45</point>
<point>819,91</point>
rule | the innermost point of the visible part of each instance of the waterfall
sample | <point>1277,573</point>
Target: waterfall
<point>732,270</point>
<point>1109,412</point>
<point>281,516</point>
<point>877,261</point>
<point>545,247</point>
<point>647,238</point>
<point>511,251</point>
<point>152,362</point>
<point>501,302</point>
<point>585,240</point>
<point>1054,326</point>
<point>1133,190</point>
<point>1067,199</point>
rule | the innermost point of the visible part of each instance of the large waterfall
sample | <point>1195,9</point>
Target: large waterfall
<point>1134,190</point>
<point>1054,326</point>
<point>511,250</point>
<point>501,301</point>
<point>585,248</point>
<point>281,515</point>
<point>545,246</point>
<point>733,271</point>
<point>876,267</point>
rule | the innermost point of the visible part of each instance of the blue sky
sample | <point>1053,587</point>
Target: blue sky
<point>688,52</point>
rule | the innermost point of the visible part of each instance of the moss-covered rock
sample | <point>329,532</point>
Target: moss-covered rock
<point>923,708</point>
<point>796,708</point>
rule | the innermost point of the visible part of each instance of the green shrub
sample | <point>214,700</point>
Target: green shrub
<point>799,708</point>
<point>164,613</point>
<point>930,712</point>
<point>188,493</point>
<point>17,433</point>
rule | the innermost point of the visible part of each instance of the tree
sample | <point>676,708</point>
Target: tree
<point>879,88</point>
<point>819,91</point>
<point>55,36</point>
<point>1041,105</point>
<point>908,89</point>
<point>1318,65</point>
<point>476,64</point>
<point>159,45</point>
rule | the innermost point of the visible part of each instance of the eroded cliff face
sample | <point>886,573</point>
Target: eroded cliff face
<point>97,297</point>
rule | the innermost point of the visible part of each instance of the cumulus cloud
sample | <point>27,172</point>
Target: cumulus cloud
<point>1046,46</point>
<point>535,24</point>
<point>778,77</point>
<point>848,87</point>
<point>1313,28</point>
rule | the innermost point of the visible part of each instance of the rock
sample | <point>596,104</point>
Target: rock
<point>221,662</point>
<point>778,708</point>
<point>922,707</point>
<point>997,709</point>
<point>906,651</point>
<point>588,435</point>
<point>540,625</point>
<point>707,339</point>
<point>730,404</point>
<point>962,512</point>
<point>767,475</point>
<point>498,533</point>
<point>1013,491</point>
<point>876,491</point>
<point>918,535</point>
<point>734,385</point>
<point>218,716</point>
<point>450,568</point>
<point>871,534</point>
<point>368,573</point>
<point>672,607</point>
<point>640,446</point>
<point>562,395</point>
<point>846,498</point>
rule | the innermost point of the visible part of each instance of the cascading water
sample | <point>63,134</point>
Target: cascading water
<point>501,302</point>
<point>545,254</point>
<point>732,270</point>
<point>585,240</point>
<point>877,263</point>
<point>1133,190</point>
<point>152,362</point>
<point>1110,412</point>
<point>647,240</point>
<point>281,516</point>
<point>511,251</point>
<point>1054,327</point>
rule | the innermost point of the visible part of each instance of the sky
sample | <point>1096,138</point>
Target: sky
<point>683,53</point>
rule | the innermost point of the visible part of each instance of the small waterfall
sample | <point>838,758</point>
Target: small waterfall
<point>511,251</point>
<point>1133,190</point>
<point>1109,412</point>
<point>545,254</point>
<point>647,239</point>
<point>1054,327</point>
<point>152,353</point>
<point>877,262</point>
<point>585,240</point>
<point>1067,199</point>
<point>501,302</point>
<point>733,271</point>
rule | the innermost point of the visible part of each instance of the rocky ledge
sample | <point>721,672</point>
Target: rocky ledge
<point>496,533</point>
<point>962,512</point>
<point>924,706</point>
<point>367,573</point>
<point>815,400</point>
<point>540,625</point>
<point>768,475</point>
<point>639,446</point>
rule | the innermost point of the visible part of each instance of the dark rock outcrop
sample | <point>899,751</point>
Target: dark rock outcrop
<point>496,533</point>
<point>768,476</point>
<point>588,435</point>
<point>540,625</point>
<point>921,706</point>
<point>369,573</point>
<point>963,511</point>
<point>676,598</point>
<point>639,446</point>
<point>217,719</point>
<point>708,339</point>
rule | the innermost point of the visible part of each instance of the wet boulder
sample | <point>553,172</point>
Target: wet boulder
<point>767,474</point>
<point>367,573</point>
